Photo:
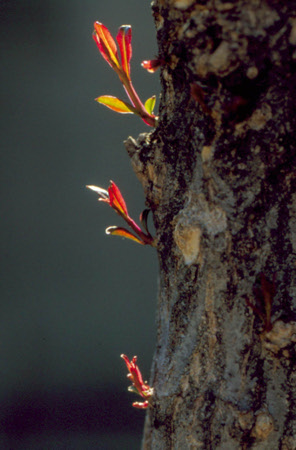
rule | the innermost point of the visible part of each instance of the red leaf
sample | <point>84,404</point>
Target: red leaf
<point>116,198</point>
<point>106,44</point>
<point>124,38</point>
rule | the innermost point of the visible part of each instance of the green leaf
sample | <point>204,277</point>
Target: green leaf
<point>149,104</point>
<point>116,105</point>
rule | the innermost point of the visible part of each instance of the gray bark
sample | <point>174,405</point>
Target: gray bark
<point>219,175</point>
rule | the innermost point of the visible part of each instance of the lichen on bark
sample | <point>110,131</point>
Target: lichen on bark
<point>219,176</point>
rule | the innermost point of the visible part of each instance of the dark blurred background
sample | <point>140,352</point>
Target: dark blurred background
<point>72,298</point>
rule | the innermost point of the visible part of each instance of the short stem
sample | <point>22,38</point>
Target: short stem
<point>143,236</point>
<point>140,233</point>
<point>132,94</point>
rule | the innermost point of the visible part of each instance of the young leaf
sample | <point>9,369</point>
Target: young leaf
<point>116,105</point>
<point>124,38</point>
<point>144,218</point>
<point>106,44</point>
<point>118,231</point>
<point>141,405</point>
<point>116,199</point>
<point>152,65</point>
<point>149,104</point>
<point>103,194</point>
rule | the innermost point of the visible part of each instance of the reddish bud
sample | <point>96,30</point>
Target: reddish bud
<point>115,199</point>
<point>152,65</point>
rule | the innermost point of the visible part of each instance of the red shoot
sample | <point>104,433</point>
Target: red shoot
<point>115,199</point>
<point>108,49</point>
<point>138,385</point>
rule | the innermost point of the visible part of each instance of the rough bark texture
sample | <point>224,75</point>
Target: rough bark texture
<point>219,173</point>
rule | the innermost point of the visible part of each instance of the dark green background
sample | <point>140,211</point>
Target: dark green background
<point>72,298</point>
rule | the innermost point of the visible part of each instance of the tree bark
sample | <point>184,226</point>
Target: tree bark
<point>219,176</point>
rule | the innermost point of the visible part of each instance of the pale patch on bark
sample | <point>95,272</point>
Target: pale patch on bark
<point>260,117</point>
<point>281,336</point>
<point>187,238</point>
<point>263,426</point>
<point>257,121</point>
<point>197,215</point>
<point>219,61</point>
<point>207,153</point>
<point>182,4</point>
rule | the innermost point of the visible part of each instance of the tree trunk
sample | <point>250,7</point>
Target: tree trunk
<point>219,173</point>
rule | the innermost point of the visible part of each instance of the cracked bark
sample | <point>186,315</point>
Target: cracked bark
<point>219,175</point>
